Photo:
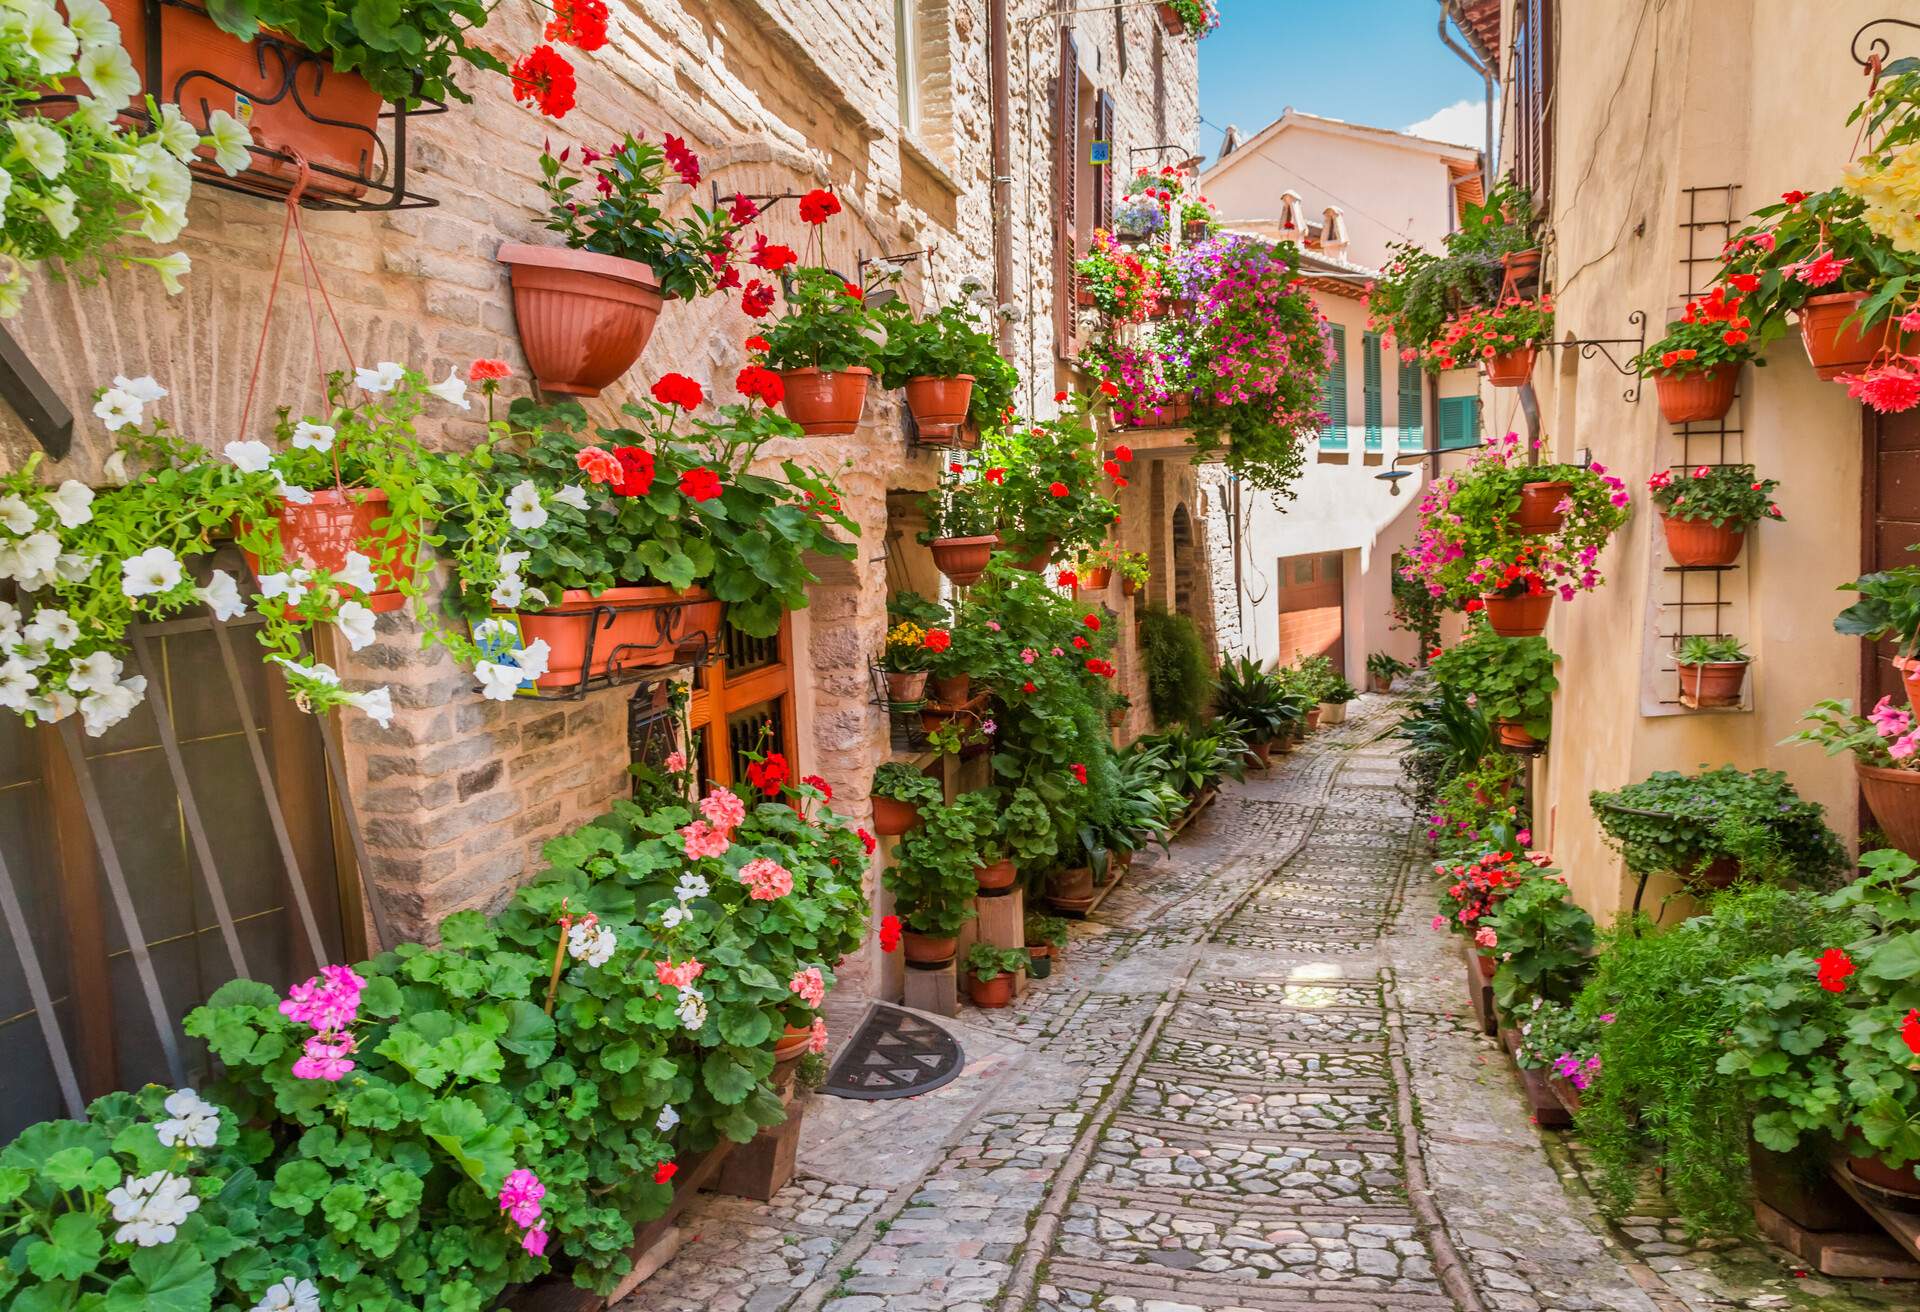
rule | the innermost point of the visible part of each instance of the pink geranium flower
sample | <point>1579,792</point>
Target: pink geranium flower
<point>703,840</point>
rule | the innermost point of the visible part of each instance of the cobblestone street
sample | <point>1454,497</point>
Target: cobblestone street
<point>1251,1088</point>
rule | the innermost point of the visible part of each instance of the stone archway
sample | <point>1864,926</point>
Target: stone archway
<point>1186,565</point>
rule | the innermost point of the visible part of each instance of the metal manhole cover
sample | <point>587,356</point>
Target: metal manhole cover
<point>895,1054</point>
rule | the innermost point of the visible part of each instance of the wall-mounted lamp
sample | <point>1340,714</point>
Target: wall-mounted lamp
<point>1392,479</point>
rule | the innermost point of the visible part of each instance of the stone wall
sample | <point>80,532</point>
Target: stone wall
<point>458,795</point>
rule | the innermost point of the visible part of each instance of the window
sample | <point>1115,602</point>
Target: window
<point>904,39</point>
<point>1333,395</point>
<point>743,703</point>
<point>1533,100</point>
<point>1459,422</point>
<point>1066,211</point>
<point>1413,406</point>
<point>1371,408</point>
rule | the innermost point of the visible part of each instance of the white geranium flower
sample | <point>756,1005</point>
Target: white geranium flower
<point>93,672</point>
<point>229,138</point>
<point>290,1295</point>
<point>54,627</point>
<point>667,1119</point>
<point>383,378</point>
<point>309,436</point>
<point>100,711</point>
<point>222,596</point>
<point>572,495</point>
<point>43,148</point>
<point>38,32</point>
<point>56,207</point>
<point>17,683</point>
<point>116,409</point>
<point>143,389</point>
<point>507,593</point>
<point>532,658</point>
<point>17,515</point>
<point>692,1008</point>
<point>498,682</point>
<point>357,573</point>
<point>453,390</point>
<point>151,1208</point>
<point>53,706</point>
<point>355,623</point>
<point>690,887</point>
<point>72,503</point>
<point>674,917</point>
<point>172,267</point>
<point>524,510</point>
<point>591,942</point>
<point>250,457</point>
<point>290,584</point>
<point>153,571</point>
<point>73,566</point>
<point>113,471</point>
<point>194,1122</point>
<point>180,137</point>
<point>109,74</point>
<point>375,703</point>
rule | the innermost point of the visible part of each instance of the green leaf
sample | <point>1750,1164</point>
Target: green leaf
<point>71,1250</point>
<point>620,1057</point>
<point>172,1278</point>
<point>298,1185</point>
<point>727,1078</point>
<point>1897,958</point>
<point>530,1032</point>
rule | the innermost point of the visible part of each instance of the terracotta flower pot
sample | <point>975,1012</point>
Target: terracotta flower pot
<point>1128,587</point>
<point>1177,411</point>
<point>952,690</point>
<point>1263,752</point>
<point>1170,19</point>
<point>1699,397</point>
<point>927,949</point>
<point>792,1045</point>
<point>1909,677</point>
<point>1377,684</point>
<point>1524,616</point>
<point>1072,890</point>
<point>1521,265</point>
<point>1000,874</point>
<point>991,993</point>
<point>1512,369</point>
<point>1084,298</point>
<point>653,627</point>
<point>1040,559</point>
<point>320,534</point>
<point>1514,734</point>
<point>1894,798</point>
<point>963,560</point>
<point>1098,577</point>
<point>1903,1180</point>
<point>584,318</point>
<point>1717,874</point>
<point>825,403</point>
<point>1488,964</point>
<point>939,405</point>
<point>1716,683</point>
<point>892,816</point>
<point>1538,501</point>
<point>1698,542</point>
<point>1835,347</point>
<point>904,687</point>
<point>1313,719</point>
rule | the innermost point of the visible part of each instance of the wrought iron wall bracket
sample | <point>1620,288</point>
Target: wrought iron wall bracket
<point>1602,346</point>
<point>1879,50</point>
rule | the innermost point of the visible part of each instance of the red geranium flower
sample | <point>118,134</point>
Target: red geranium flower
<point>867,841</point>
<point>1080,642</point>
<point>1111,468</point>
<point>743,211</point>
<point>889,927</point>
<point>729,279</point>
<point>545,79</point>
<point>757,299</point>
<point>995,475</point>
<point>769,774</point>
<point>937,640</point>
<point>1834,969</point>
<point>1105,669</point>
<point>1910,1031</point>
<point>1027,686</point>
<point>1067,578</point>
<point>1124,454</point>
<point>678,389</point>
<point>853,290</point>
<point>481,371</point>
<point>818,205</point>
<point>1059,398</point>
<point>579,23</point>
<point>636,471</point>
<point>1057,490</point>
<point>664,1172</point>
<point>815,781</point>
<point>755,343</point>
<point>1091,621</point>
<point>756,380</point>
<point>684,161</point>
<point>700,484</point>
<point>1079,771</point>
<point>771,255</point>
<point>598,464</point>
<point>1109,387</point>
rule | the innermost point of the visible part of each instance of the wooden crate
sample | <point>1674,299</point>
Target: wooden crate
<point>1001,921</point>
<point>935,991</point>
<point>1854,1255</point>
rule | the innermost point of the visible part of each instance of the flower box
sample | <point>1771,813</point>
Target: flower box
<point>622,629</point>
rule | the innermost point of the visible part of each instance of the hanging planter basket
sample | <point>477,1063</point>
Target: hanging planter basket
<point>1700,397</point>
<point>1539,511</point>
<point>1039,560</point>
<point>1097,578</point>
<point>1521,265</point>
<point>1894,798</point>
<point>584,318</point>
<point>319,535</point>
<point>1519,617</point>
<point>1512,733</point>
<point>623,629</point>
<point>939,406</point>
<point>963,560</point>
<point>1512,369</point>
<point>825,402</point>
<point>1836,347</point>
<point>1698,542</point>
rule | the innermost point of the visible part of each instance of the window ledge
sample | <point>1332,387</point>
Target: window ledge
<point>927,158</point>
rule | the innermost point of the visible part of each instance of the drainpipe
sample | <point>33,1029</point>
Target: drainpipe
<point>999,98</point>
<point>1486,80</point>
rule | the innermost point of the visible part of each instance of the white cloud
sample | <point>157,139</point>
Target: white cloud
<point>1463,123</point>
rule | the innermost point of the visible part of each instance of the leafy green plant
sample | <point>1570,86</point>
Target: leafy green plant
<point>960,505</point>
<point>620,215</point>
<point>1446,736</point>
<point>1889,607</point>
<point>1804,246</point>
<point>1511,679</point>
<point>1672,822</point>
<point>945,344</point>
<point>1248,697</point>
<point>1122,285</point>
<point>931,877</point>
<point>986,962</point>
<point>1197,761</point>
<point>1484,332</point>
<point>1046,474</point>
<point>406,52</point>
<point>1386,667</point>
<point>1543,940</point>
<point>1872,741</point>
<point>1561,1039</point>
<point>1046,931</point>
<point>1721,494</point>
<point>826,325</point>
<point>903,783</point>
<point>1179,675</point>
<point>1420,290</point>
<point>1322,683</point>
<point>1480,808</point>
<point>1700,649</point>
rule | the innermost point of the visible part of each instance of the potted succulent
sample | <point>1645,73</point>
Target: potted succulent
<point>1707,828</point>
<point>991,974</point>
<point>937,360</point>
<point>1115,281</point>
<point>1884,759</point>
<point>1712,670</point>
<point>1706,514</point>
<point>1383,668</point>
<point>586,309</point>
<point>1889,608</point>
<point>900,793</point>
<point>962,517</point>
<point>1511,678</point>
<point>1696,365</point>
<point>1046,940</point>
<point>932,882</point>
<point>823,346</point>
<point>1502,338</point>
<point>907,658</point>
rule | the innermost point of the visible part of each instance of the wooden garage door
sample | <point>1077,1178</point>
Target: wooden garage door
<point>1312,607</point>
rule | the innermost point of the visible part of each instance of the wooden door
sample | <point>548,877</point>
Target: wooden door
<point>743,703</point>
<point>1890,524</point>
<point>1312,597</point>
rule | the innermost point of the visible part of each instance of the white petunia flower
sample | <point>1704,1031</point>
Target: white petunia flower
<point>498,682</point>
<point>667,1119</point>
<point>54,706</point>
<point>375,703</point>
<point>100,711</point>
<point>108,72</point>
<point>116,409</point>
<point>355,623</point>
<point>524,510</point>
<point>487,630</point>
<point>250,457</point>
<point>56,207</point>
<point>180,137</point>
<point>309,436</point>
<point>357,573</point>
<point>74,566</point>
<point>38,32</point>
<point>54,627</point>
<point>222,595</point>
<point>18,517</point>
<point>151,1208</point>
<point>93,672</point>
<point>690,887</point>
<point>507,593</point>
<point>290,584</point>
<point>172,267</point>
<point>113,471</point>
<point>92,22</point>
<point>318,671</point>
<point>299,496</point>
<point>72,503</point>
<point>453,390</point>
<point>532,658</point>
<point>9,624</point>
<point>511,561</point>
<point>6,188</point>
<point>572,495</point>
<point>163,198</point>
<point>383,378</point>
<point>194,1123</point>
<point>143,389</point>
<point>43,148</point>
<point>35,556</point>
<point>229,138</point>
<point>98,115</point>
<point>290,1295</point>
<point>17,683</point>
<point>32,652</point>
<point>153,571</point>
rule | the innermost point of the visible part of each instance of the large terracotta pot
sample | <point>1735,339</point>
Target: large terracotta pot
<point>1514,734</point>
<point>952,689</point>
<point>1538,501</point>
<point>320,534</point>
<point>1909,669</point>
<point>792,1045</point>
<point>939,405</point>
<point>584,318</point>
<point>1521,265</point>
<point>1519,617</point>
<point>1717,683</point>
<point>297,101</point>
<point>1000,874</point>
<point>992,993</point>
<point>1263,752</point>
<point>963,560</point>
<point>905,687</point>
<point>825,403</point>
<point>1040,559</point>
<point>1698,542</point>
<point>1835,347</point>
<point>1699,397</point>
<point>650,628</point>
<point>1098,577</point>
<point>1072,890</point>
<point>1904,1180</point>
<point>892,816</point>
<point>927,950</point>
<point>1894,798</point>
<point>1512,369</point>
<point>1313,719</point>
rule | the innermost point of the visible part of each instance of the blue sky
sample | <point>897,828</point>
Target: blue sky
<point>1376,62</point>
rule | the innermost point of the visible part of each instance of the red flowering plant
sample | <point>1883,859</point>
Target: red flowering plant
<point>1721,494</point>
<point>826,325</point>
<point>610,204</point>
<point>1481,333</point>
<point>1120,284</point>
<point>1050,492</point>
<point>1804,246</point>
<point>1473,889</point>
<point>1713,330</point>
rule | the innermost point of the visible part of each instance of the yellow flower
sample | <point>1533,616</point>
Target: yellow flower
<point>1890,188</point>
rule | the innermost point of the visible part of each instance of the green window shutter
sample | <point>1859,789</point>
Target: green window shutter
<point>1413,405</point>
<point>1371,401</point>
<point>1333,395</point>
<point>1459,422</point>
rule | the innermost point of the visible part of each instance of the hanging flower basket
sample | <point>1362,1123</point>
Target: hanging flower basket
<point>1512,369</point>
<point>1699,397</point>
<point>584,318</point>
<point>319,535</point>
<point>1699,542</point>
<point>1514,734</point>
<point>1894,798</point>
<point>1174,414</point>
<point>1524,616</point>
<point>1521,265</point>
<point>1539,511</point>
<point>626,628</point>
<point>963,560</point>
<point>826,403</point>
<point>1097,578</point>
<point>1170,20</point>
<point>892,817</point>
<point>939,405</point>
<point>1714,683</point>
<point>1039,560</point>
<point>1836,347</point>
